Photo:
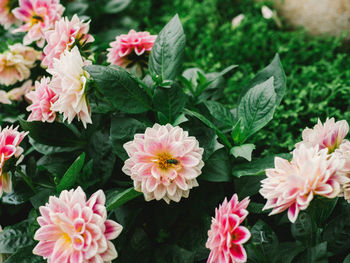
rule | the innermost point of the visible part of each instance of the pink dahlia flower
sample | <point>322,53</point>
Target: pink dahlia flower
<point>42,98</point>
<point>10,139</point>
<point>164,162</point>
<point>328,135</point>
<point>69,83</point>
<point>343,152</point>
<point>4,99</point>
<point>226,236</point>
<point>131,50</point>
<point>7,19</point>
<point>64,36</point>
<point>15,63</point>
<point>38,16</point>
<point>17,94</point>
<point>292,185</point>
<point>75,230</point>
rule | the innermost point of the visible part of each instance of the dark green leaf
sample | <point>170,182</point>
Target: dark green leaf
<point>41,197</point>
<point>119,88</point>
<point>116,6</point>
<point>123,130</point>
<point>56,134</point>
<point>15,237</point>
<point>248,185</point>
<point>207,122</point>
<point>220,112</point>
<point>264,239</point>
<point>46,149</point>
<point>167,52</point>
<point>316,254</point>
<point>257,107</point>
<point>217,168</point>
<point>170,102</point>
<point>303,228</point>
<point>274,70</point>
<point>288,251</point>
<point>173,254</point>
<point>321,208</point>
<point>244,151</point>
<point>25,255</point>
<point>257,166</point>
<point>347,259</point>
<point>118,198</point>
<point>71,174</point>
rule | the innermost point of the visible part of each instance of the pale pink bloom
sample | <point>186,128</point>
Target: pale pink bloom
<point>69,83</point>
<point>76,230</point>
<point>328,135</point>
<point>7,19</point>
<point>29,54</point>
<point>292,185</point>
<point>164,162</point>
<point>343,152</point>
<point>131,50</point>
<point>4,99</point>
<point>13,68</point>
<point>17,94</point>
<point>236,21</point>
<point>42,98</point>
<point>15,63</point>
<point>226,237</point>
<point>10,139</point>
<point>64,36</point>
<point>266,12</point>
<point>38,16</point>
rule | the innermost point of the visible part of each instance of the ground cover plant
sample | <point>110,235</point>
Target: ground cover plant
<point>140,139</point>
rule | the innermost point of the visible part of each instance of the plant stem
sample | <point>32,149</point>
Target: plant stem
<point>26,179</point>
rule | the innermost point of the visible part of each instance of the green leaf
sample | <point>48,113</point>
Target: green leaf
<point>264,239</point>
<point>288,251</point>
<point>56,134</point>
<point>41,197</point>
<point>167,52</point>
<point>274,70</point>
<point>347,259</point>
<point>116,6</point>
<point>15,237</point>
<point>71,174</point>
<point>321,208</point>
<point>101,151</point>
<point>303,228</point>
<point>120,88</point>
<point>123,130</point>
<point>46,149</point>
<point>25,255</point>
<point>173,254</point>
<point>257,107</point>
<point>207,122</point>
<point>237,133</point>
<point>257,166</point>
<point>217,168</point>
<point>248,185</point>
<point>20,196</point>
<point>337,232</point>
<point>170,102</point>
<point>118,198</point>
<point>220,112</point>
<point>244,151</point>
<point>316,254</point>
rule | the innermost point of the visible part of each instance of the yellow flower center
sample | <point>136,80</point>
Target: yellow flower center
<point>166,161</point>
<point>36,19</point>
<point>67,239</point>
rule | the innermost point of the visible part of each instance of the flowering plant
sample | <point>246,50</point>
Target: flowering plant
<point>122,152</point>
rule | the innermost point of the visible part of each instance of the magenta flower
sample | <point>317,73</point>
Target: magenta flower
<point>226,237</point>
<point>38,16</point>
<point>64,36</point>
<point>131,50</point>
<point>328,135</point>
<point>292,185</point>
<point>164,162</point>
<point>7,19</point>
<point>75,230</point>
<point>10,139</point>
<point>42,98</point>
